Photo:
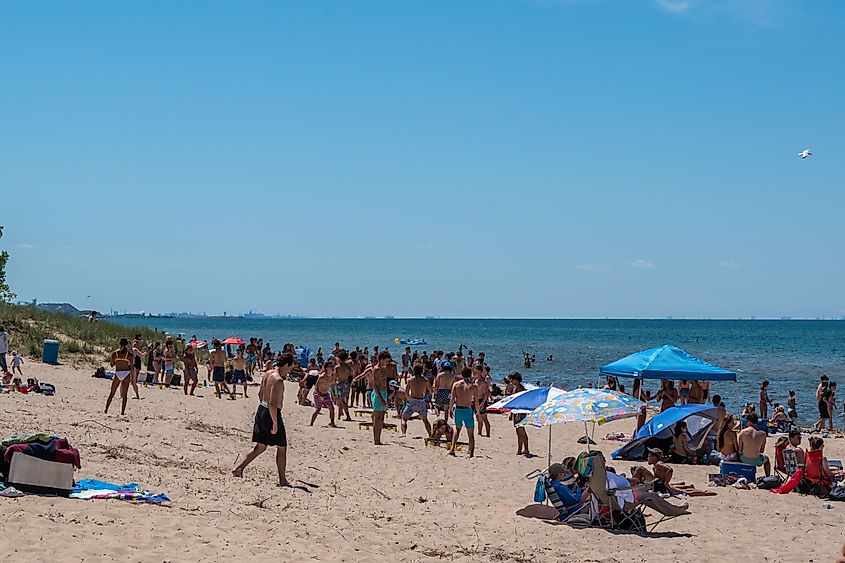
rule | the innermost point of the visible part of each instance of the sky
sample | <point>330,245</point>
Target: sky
<point>481,158</point>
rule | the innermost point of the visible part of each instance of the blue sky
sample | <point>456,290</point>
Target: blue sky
<point>515,158</point>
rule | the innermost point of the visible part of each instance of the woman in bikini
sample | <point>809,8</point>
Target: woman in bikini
<point>137,364</point>
<point>122,361</point>
<point>726,441</point>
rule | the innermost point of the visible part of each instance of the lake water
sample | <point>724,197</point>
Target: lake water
<point>790,354</point>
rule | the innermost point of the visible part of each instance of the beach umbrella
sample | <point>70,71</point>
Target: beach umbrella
<point>583,405</point>
<point>233,340</point>
<point>197,344</point>
<point>526,401</point>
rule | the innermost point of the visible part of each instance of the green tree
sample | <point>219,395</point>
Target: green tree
<point>6,294</point>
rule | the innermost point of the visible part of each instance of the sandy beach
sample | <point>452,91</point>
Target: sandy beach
<point>402,501</point>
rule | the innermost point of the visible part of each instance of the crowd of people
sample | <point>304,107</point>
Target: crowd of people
<point>456,387</point>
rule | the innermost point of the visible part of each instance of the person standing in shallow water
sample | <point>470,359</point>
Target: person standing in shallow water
<point>269,428</point>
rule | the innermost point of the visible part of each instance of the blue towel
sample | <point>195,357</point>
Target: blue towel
<point>87,484</point>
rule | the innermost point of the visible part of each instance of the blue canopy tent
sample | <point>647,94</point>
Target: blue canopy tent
<point>666,362</point>
<point>659,430</point>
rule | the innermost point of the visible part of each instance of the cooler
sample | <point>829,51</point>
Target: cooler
<point>740,469</point>
<point>50,352</point>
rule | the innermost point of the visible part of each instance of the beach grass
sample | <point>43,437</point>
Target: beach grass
<point>29,326</point>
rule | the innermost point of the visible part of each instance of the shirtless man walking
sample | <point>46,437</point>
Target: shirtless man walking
<point>464,401</point>
<point>269,428</point>
<point>218,368</point>
<point>417,389</point>
<point>482,385</point>
<point>345,372</point>
<point>377,376</point>
<point>443,382</point>
<point>751,444</point>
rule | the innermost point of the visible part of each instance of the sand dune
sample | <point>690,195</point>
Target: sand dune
<point>402,501</point>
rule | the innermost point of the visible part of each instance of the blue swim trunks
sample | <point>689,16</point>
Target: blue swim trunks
<point>464,417</point>
<point>379,400</point>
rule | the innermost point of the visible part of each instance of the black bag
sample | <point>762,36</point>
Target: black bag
<point>836,493</point>
<point>770,482</point>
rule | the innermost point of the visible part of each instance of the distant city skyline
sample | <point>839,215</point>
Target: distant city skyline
<point>476,159</point>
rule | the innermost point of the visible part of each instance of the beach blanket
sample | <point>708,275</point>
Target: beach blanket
<point>90,489</point>
<point>42,437</point>
<point>56,449</point>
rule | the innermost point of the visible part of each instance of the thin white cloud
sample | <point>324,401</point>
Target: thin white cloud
<point>729,265</point>
<point>641,264</point>
<point>425,246</point>
<point>676,6</point>
<point>26,246</point>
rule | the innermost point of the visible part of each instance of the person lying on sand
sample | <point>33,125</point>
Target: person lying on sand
<point>661,479</point>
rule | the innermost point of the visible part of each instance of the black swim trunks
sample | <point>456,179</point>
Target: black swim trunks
<point>264,424</point>
<point>310,381</point>
<point>219,374</point>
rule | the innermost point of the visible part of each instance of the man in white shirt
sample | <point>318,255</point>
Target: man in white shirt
<point>4,349</point>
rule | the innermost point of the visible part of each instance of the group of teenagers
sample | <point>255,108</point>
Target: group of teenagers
<point>455,387</point>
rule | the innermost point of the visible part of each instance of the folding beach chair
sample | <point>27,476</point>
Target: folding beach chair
<point>571,515</point>
<point>628,515</point>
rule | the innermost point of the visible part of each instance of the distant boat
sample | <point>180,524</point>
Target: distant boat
<point>413,342</point>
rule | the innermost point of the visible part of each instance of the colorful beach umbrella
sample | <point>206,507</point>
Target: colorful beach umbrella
<point>583,405</point>
<point>233,340</point>
<point>526,401</point>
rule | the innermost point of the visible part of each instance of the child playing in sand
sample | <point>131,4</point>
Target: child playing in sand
<point>322,392</point>
<point>16,363</point>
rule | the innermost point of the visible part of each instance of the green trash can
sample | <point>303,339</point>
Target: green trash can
<point>50,352</point>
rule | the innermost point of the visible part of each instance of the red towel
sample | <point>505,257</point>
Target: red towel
<point>791,483</point>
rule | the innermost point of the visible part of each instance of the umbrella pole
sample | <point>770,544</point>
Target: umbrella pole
<point>549,462</point>
<point>587,437</point>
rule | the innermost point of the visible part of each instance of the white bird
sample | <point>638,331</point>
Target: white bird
<point>805,153</point>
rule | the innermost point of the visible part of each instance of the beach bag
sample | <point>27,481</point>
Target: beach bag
<point>836,493</point>
<point>770,482</point>
<point>540,489</point>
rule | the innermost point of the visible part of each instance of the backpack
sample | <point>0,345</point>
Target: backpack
<point>770,482</point>
<point>836,493</point>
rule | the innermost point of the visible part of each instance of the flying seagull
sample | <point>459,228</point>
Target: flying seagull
<point>805,153</point>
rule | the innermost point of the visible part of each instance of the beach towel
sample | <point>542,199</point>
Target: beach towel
<point>57,449</point>
<point>27,438</point>
<point>91,489</point>
<point>791,483</point>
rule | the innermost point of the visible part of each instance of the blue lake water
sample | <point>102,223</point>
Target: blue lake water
<point>790,354</point>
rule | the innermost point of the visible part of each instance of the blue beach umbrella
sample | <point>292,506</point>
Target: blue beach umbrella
<point>525,402</point>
